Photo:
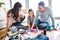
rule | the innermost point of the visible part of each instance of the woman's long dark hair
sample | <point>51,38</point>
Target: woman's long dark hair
<point>15,11</point>
<point>10,11</point>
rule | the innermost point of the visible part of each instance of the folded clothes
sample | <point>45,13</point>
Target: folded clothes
<point>13,28</point>
<point>31,39</point>
<point>39,37</point>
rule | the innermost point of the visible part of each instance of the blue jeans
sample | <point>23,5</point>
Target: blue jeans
<point>42,37</point>
<point>42,25</point>
<point>19,23</point>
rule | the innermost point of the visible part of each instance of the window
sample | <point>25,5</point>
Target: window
<point>21,1</point>
<point>7,4</point>
<point>56,8</point>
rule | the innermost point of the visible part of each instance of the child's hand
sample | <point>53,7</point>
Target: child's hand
<point>32,27</point>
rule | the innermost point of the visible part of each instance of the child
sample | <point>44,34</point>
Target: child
<point>30,19</point>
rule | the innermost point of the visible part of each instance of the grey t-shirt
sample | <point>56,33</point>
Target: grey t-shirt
<point>31,20</point>
<point>45,15</point>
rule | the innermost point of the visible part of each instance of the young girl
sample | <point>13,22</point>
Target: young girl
<point>30,19</point>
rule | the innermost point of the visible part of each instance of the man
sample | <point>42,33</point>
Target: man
<point>42,16</point>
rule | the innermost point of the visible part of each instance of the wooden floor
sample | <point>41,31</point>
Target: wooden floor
<point>3,33</point>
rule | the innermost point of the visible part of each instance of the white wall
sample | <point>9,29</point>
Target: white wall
<point>56,8</point>
<point>21,1</point>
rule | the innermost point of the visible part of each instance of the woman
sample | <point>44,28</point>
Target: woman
<point>14,16</point>
<point>30,19</point>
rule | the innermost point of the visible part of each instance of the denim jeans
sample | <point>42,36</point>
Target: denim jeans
<point>42,37</point>
<point>42,25</point>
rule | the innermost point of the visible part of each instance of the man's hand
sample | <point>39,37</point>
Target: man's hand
<point>54,28</point>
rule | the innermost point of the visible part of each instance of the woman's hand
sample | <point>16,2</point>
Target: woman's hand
<point>21,16</point>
